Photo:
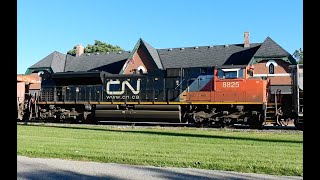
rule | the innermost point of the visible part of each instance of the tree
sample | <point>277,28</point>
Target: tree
<point>98,46</point>
<point>298,55</point>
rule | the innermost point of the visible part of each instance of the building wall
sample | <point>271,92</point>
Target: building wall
<point>281,74</point>
<point>140,60</point>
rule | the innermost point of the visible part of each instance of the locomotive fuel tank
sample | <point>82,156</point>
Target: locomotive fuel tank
<point>139,113</point>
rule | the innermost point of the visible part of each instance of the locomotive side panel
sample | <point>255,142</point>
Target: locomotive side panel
<point>230,90</point>
<point>256,90</point>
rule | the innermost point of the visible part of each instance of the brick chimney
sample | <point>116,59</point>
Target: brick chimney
<point>246,39</point>
<point>79,50</point>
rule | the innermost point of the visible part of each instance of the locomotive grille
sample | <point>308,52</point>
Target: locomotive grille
<point>47,94</point>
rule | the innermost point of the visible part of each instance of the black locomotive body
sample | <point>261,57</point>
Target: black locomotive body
<point>200,96</point>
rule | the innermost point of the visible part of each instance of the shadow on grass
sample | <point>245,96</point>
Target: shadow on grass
<point>171,134</point>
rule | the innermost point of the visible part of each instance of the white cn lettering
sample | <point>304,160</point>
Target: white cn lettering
<point>123,86</point>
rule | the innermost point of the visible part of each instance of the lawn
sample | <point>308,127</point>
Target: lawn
<point>269,152</point>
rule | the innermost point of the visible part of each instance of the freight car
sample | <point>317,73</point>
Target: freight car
<point>297,96</point>
<point>27,88</point>
<point>224,96</point>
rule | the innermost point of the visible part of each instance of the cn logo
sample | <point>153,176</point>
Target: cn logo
<point>123,87</point>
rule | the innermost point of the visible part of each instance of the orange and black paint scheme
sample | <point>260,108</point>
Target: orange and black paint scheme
<point>223,96</point>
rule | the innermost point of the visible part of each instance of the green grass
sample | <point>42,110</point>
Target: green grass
<point>278,153</point>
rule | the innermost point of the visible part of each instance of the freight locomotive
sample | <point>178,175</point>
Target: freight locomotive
<point>221,95</point>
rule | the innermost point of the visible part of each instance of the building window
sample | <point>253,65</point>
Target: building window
<point>141,70</point>
<point>271,68</point>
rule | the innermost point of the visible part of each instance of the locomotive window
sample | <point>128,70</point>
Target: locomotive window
<point>230,73</point>
<point>220,74</point>
<point>240,73</point>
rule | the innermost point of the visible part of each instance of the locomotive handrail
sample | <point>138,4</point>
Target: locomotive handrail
<point>179,84</point>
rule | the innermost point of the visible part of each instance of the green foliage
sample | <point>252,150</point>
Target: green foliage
<point>98,46</point>
<point>72,51</point>
<point>279,153</point>
<point>298,55</point>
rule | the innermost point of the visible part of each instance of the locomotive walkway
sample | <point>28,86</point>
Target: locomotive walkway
<point>41,168</point>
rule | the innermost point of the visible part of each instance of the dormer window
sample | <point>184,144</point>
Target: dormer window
<point>271,64</point>
<point>271,69</point>
<point>141,70</point>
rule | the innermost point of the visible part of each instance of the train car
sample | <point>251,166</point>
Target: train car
<point>223,96</point>
<point>297,96</point>
<point>28,86</point>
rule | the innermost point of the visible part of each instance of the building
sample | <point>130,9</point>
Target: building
<point>268,59</point>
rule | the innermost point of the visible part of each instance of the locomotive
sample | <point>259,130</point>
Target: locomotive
<point>222,95</point>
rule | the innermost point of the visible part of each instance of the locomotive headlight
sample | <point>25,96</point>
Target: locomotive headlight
<point>77,89</point>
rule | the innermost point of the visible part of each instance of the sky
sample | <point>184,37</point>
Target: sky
<point>45,26</point>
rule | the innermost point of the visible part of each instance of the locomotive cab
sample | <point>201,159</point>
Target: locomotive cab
<point>235,83</point>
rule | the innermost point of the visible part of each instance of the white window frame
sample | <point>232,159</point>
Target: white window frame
<point>142,68</point>
<point>228,70</point>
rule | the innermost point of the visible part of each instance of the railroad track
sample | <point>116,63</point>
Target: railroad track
<point>160,124</point>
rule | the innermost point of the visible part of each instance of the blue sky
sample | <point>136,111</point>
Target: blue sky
<point>45,26</point>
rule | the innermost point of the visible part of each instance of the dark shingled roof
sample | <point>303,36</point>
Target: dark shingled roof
<point>203,56</point>
<point>55,60</point>
<point>90,61</point>
<point>69,59</point>
<point>269,48</point>
<point>154,54</point>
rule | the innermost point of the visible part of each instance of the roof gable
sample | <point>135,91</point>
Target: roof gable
<point>270,49</point>
<point>55,61</point>
<point>154,54</point>
<point>45,62</point>
<point>151,50</point>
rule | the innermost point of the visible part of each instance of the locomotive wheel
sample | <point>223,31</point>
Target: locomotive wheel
<point>199,121</point>
<point>256,122</point>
